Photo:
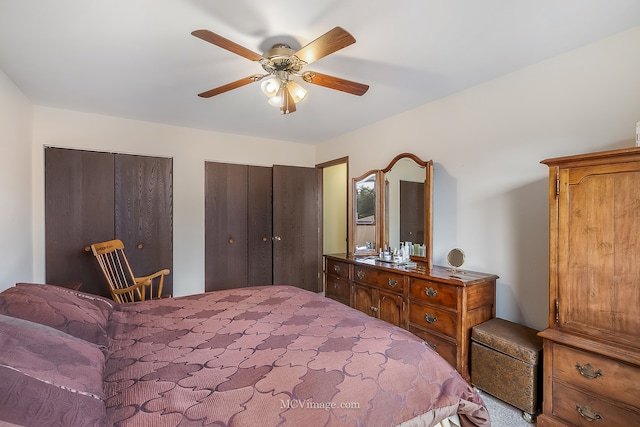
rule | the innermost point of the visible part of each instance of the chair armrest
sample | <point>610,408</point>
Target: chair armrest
<point>152,276</point>
<point>119,294</point>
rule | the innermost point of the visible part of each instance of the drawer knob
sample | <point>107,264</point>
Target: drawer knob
<point>392,282</point>
<point>587,413</point>
<point>360,274</point>
<point>374,308</point>
<point>430,318</point>
<point>336,268</point>
<point>430,292</point>
<point>336,286</point>
<point>587,371</point>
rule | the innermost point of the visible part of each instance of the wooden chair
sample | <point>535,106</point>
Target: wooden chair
<point>124,286</point>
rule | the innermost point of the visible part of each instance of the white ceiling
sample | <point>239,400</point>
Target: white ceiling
<point>137,58</point>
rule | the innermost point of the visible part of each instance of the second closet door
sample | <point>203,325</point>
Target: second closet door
<point>237,226</point>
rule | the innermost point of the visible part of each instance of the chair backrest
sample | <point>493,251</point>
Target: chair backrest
<point>117,272</point>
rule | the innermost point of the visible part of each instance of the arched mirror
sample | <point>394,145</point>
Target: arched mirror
<point>407,205</point>
<point>402,194</point>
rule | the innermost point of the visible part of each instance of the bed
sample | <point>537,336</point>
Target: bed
<point>270,356</point>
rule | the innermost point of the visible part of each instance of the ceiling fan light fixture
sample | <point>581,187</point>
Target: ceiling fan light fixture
<point>297,92</point>
<point>275,100</point>
<point>282,63</point>
<point>270,86</point>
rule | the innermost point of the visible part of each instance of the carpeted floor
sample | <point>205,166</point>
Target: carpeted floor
<point>503,414</point>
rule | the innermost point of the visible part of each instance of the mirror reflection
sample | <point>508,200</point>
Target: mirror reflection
<point>405,204</point>
<point>365,214</point>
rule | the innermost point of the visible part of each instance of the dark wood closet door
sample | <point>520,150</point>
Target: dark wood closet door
<point>79,189</point>
<point>225,226</point>
<point>296,212</point>
<point>260,221</point>
<point>412,212</point>
<point>143,213</point>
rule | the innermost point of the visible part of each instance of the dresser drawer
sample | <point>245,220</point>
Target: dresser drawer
<point>338,289</point>
<point>588,371</point>
<point>337,268</point>
<point>380,278</point>
<point>583,409</point>
<point>444,348</point>
<point>434,293</point>
<point>434,319</point>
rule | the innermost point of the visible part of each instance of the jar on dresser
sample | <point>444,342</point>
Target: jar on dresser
<point>438,305</point>
<point>591,350</point>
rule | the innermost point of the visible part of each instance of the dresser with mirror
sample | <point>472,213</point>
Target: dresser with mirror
<point>389,209</point>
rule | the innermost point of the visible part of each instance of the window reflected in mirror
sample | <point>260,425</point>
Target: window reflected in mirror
<point>365,214</point>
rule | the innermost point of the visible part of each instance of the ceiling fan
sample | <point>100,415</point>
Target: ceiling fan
<point>282,64</point>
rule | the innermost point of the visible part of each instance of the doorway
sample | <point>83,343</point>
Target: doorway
<point>335,187</point>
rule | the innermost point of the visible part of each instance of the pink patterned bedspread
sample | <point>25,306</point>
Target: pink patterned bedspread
<point>272,356</point>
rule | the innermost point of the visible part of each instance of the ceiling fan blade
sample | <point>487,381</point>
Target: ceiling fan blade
<point>335,83</point>
<point>227,44</point>
<point>288,104</point>
<point>326,44</point>
<point>228,87</point>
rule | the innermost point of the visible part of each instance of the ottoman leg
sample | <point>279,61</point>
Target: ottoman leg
<point>530,418</point>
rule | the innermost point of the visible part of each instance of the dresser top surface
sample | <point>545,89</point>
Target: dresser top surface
<point>418,270</point>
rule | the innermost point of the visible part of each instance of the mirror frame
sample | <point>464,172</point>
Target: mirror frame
<point>380,208</point>
<point>354,221</point>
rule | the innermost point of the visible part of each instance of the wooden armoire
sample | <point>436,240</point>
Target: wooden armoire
<point>592,346</point>
<point>95,196</point>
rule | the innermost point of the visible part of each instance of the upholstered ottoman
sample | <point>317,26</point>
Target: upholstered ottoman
<point>506,362</point>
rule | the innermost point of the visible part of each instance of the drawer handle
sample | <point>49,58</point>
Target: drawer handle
<point>336,286</point>
<point>587,371</point>
<point>360,274</point>
<point>392,282</point>
<point>374,308</point>
<point>430,318</point>
<point>336,268</point>
<point>588,414</point>
<point>430,292</point>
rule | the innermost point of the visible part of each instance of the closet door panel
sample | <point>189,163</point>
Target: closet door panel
<point>259,224</point>
<point>143,213</point>
<point>296,213</point>
<point>225,226</point>
<point>79,189</point>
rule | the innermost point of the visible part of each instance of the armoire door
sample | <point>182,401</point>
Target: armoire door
<point>297,246</point>
<point>92,197</point>
<point>144,213</point>
<point>79,193</point>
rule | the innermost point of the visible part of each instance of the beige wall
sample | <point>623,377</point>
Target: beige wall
<point>15,185</point>
<point>189,149</point>
<point>490,191</point>
<point>334,209</point>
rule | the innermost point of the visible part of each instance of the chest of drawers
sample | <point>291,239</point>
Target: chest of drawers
<point>438,305</point>
<point>589,388</point>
